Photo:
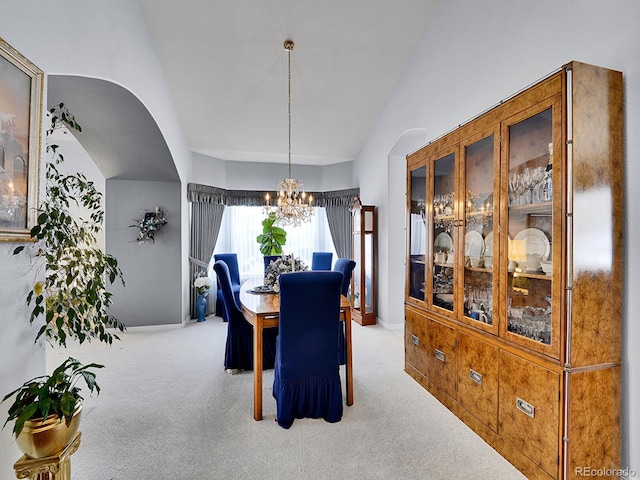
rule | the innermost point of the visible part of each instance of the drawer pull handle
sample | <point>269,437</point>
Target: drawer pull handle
<point>440,355</point>
<point>415,340</point>
<point>475,376</point>
<point>525,407</point>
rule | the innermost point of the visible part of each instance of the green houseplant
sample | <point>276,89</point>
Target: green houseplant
<point>57,393</point>
<point>272,238</point>
<point>73,299</point>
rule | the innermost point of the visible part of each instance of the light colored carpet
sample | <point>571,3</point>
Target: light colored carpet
<point>168,410</point>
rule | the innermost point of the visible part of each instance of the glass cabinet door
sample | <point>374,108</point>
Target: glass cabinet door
<point>368,258</point>
<point>417,232</point>
<point>357,257</point>
<point>531,319</point>
<point>480,295</point>
<point>444,232</point>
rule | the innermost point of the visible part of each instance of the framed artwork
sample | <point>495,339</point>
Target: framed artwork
<point>21,89</point>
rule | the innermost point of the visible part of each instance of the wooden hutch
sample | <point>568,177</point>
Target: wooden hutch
<point>514,279</point>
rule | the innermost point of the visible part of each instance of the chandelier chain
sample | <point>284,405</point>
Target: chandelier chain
<point>289,105</point>
<point>291,205</point>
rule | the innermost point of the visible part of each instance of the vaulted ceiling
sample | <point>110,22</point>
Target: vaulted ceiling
<point>227,71</point>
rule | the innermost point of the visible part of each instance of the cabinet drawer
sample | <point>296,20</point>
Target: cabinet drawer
<point>529,410</point>
<point>441,357</point>
<point>416,341</point>
<point>478,379</point>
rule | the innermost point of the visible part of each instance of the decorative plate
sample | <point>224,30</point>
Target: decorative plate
<point>261,289</point>
<point>444,242</point>
<point>445,297</point>
<point>473,244</point>
<point>535,241</point>
<point>488,244</point>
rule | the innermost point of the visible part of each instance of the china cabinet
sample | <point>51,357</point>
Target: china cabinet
<point>513,288</point>
<point>363,278</point>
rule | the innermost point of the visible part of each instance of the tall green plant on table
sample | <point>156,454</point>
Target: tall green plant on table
<point>73,300</point>
<point>70,303</point>
<point>272,238</point>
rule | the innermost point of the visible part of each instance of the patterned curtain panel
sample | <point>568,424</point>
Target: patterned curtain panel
<point>206,217</point>
<point>339,219</point>
<point>337,204</point>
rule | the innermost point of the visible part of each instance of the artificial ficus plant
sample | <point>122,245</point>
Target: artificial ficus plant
<point>73,299</point>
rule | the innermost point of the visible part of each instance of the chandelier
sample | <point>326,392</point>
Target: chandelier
<point>291,207</point>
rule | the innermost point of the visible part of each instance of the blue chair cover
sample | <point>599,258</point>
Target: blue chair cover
<point>307,373</point>
<point>239,347</point>
<point>231,259</point>
<point>268,259</point>
<point>344,266</point>
<point>321,260</point>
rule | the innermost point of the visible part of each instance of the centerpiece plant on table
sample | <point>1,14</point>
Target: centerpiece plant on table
<point>284,264</point>
<point>69,299</point>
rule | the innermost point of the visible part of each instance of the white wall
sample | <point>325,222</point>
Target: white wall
<point>20,358</point>
<point>266,176</point>
<point>475,53</point>
<point>150,270</point>
<point>76,159</point>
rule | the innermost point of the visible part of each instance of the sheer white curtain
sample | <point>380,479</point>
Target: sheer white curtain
<point>241,226</point>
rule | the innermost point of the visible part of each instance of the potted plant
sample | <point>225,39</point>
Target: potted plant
<point>72,300</point>
<point>202,284</point>
<point>272,238</point>
<point>46,410</point>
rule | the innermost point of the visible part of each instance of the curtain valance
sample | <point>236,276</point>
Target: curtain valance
<point>255,198</point>
<point>335,198</point>
<point>205,194</point>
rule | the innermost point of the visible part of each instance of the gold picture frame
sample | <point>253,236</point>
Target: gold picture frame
<point>21,90</point>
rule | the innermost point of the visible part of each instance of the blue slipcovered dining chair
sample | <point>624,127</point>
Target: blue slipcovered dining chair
<point>238,353</point>
<point>268,259</point>
<point>306,379</point>
<point>231,259</point>
<point>321,260</point>
<point>344,266</point>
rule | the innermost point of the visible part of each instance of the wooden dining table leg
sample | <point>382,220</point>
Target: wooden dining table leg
<point>349,366</point>
<point>257,368</point>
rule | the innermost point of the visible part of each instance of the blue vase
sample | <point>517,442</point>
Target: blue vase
<point>201,307</point>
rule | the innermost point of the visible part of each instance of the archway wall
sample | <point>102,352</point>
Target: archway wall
<point>102,40</point>
<point>108,41</point>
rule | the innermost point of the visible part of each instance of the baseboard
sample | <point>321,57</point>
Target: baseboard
<point>392,327</point>
<point>141,328</point>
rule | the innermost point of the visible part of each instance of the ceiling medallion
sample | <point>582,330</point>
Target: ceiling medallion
<point>291,207</point>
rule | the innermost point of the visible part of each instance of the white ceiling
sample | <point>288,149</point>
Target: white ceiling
<point>227,71</point>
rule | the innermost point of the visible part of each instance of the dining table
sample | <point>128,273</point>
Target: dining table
<point>262,311</point>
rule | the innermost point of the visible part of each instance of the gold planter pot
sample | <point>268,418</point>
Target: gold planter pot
<point>43,438</point>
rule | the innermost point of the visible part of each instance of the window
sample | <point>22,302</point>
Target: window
<point>241,225</point>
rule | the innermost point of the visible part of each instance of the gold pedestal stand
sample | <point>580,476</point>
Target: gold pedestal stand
<point>55,467</point>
